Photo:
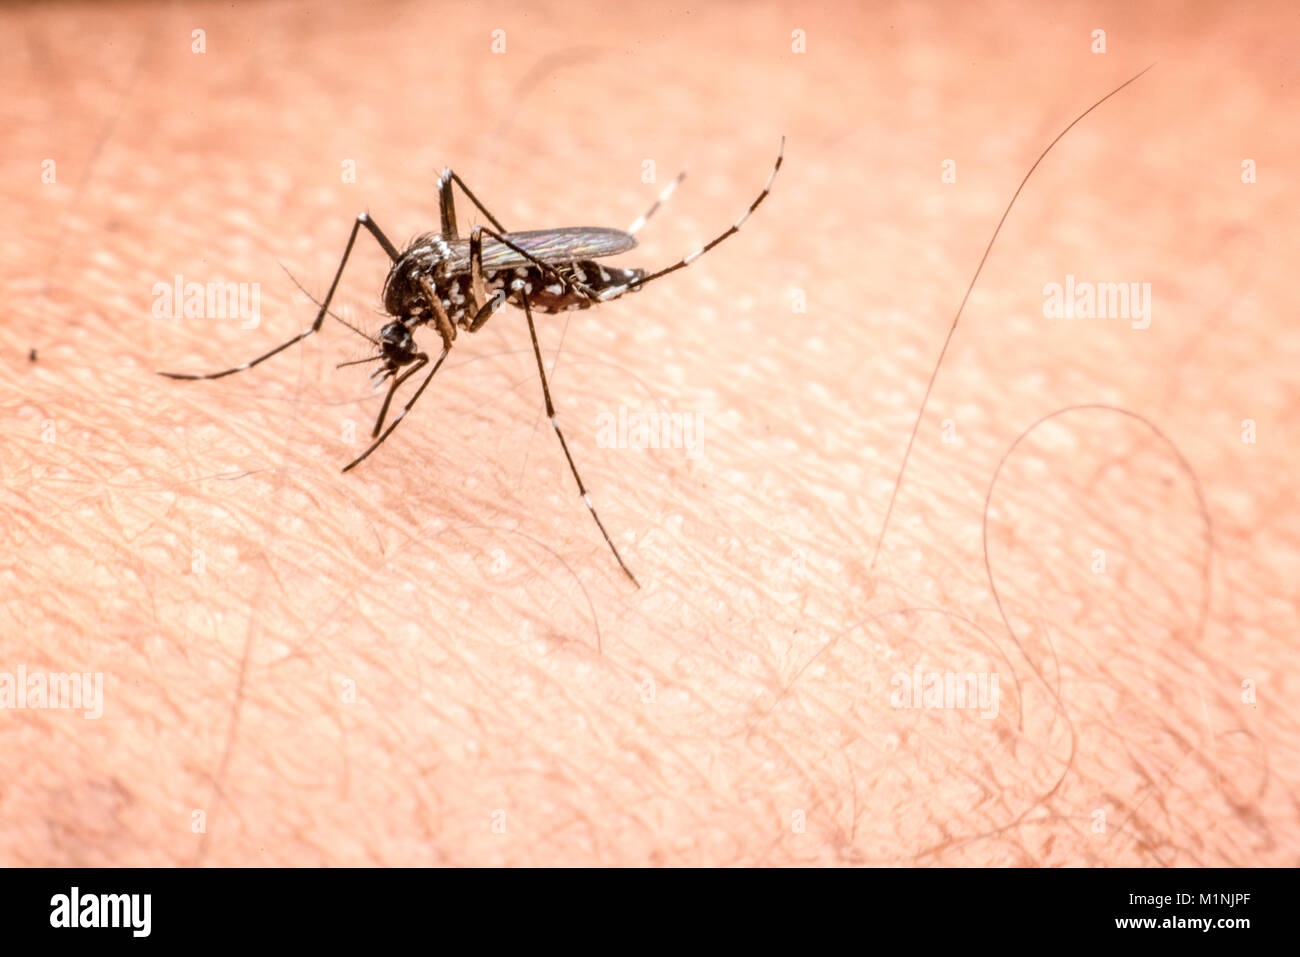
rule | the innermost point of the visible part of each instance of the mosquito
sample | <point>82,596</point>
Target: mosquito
<point>456,283</point>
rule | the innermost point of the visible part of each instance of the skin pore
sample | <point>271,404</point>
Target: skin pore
<point>434,658</point>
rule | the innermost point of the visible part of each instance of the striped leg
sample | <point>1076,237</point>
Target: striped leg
<point>405,409</point>
<point>550,411</point>
<point>447,205</point>
<point>362,220</point>
<point>663,198</point>
<point>613,292</point>
<point>421,360</point>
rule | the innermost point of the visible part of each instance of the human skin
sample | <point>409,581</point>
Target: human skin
<point>434,659</point>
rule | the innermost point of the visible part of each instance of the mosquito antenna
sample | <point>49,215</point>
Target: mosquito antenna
<point>357,362</point>
<point>331,312</point>
<point>371,339</point>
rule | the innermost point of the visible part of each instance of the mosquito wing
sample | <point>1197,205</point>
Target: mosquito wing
<point>554,246</point>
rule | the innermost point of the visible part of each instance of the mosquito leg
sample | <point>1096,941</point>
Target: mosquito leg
<point>550,411</point>
<point>483,306</point>
<point>401,415</point>
<point>488,310</point>
<point>441,321</point>
<point>477,291</point>
<point>421,360</point>
<point>362,220</point>
<point>663,198</point>
<point>613,292</point>
<point>447,205</point>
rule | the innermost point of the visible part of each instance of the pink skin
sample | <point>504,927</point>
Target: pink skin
<point>401,664</point>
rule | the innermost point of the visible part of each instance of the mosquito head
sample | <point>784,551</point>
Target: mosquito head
<point>397,345</point>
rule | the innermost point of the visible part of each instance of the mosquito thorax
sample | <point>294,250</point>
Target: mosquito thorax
<point>421,260</point>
